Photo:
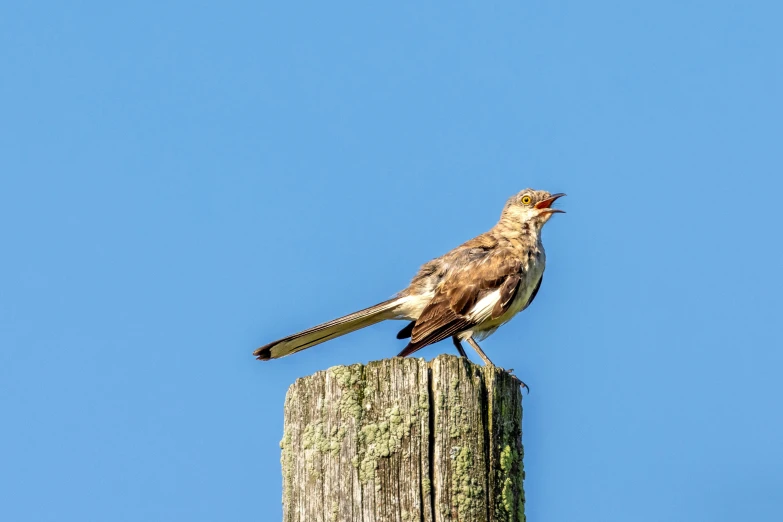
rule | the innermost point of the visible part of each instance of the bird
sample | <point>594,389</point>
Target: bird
<point>465,294</point>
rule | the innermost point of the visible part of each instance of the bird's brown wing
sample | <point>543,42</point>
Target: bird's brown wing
<point>448,313</point>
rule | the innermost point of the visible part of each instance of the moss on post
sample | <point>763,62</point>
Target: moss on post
<point>403,439</point>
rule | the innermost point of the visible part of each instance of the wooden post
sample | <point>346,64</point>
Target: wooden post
<point>404,440</point>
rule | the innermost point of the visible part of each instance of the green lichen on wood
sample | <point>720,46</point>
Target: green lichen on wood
<point>509,459</point>
<point>315,437</point>
<point>286,463</point>
<point>424,401</point>
<point>285,440</point>
<point>377,439</point>
<point>467,495</point>
<point>459,421</point>
<point>506,411</point>
<point>351,382</point>
<point>382,439</point>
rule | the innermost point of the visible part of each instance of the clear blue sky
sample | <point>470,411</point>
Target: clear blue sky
<point>181,182</point>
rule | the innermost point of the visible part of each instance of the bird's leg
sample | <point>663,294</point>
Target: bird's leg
<point>478,349</point>
<point>459,347</point>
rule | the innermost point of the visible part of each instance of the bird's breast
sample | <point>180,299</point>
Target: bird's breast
<point>532,270</point>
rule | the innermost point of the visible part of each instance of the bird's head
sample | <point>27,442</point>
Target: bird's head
<point>531,206</point>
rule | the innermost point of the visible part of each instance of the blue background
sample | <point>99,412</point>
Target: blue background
<point>182,182</point>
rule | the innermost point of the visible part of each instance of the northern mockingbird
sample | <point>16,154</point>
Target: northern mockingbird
<point>465,294</point>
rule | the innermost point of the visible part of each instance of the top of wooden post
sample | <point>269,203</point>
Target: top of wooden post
<point>404,439</point>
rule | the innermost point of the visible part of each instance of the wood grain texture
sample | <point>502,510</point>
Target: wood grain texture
<point>403,440</point>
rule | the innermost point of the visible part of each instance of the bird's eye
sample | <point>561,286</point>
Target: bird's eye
<point>526,200</point>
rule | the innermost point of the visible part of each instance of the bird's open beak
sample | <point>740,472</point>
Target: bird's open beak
<point>547,204</point>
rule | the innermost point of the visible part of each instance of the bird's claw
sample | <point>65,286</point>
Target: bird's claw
<point>510,371</point>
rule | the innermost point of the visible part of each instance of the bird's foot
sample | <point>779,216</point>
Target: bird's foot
<point>510,371</point>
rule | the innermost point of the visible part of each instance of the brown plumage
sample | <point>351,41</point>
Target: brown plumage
<point>465,294</point>
<point>448,312</point>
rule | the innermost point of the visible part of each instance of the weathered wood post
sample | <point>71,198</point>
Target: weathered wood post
<point>404,440</point>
